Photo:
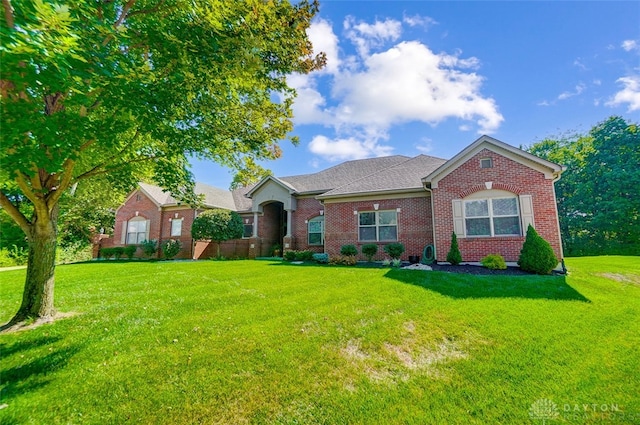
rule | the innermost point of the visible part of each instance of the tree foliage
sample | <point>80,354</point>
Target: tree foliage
<point>599,193</point>
<point>126,89</point>
<point>454,256</point>
<point>536,255</point>
<point>218,225</point>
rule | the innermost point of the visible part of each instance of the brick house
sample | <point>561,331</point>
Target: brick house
<point>487,194</point>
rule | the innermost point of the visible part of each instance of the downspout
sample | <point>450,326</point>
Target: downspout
<point>193,241</point>
<point>556,177</point>
<point>433,221</point>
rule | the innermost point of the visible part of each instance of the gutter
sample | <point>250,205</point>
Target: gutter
<point>433,221</point>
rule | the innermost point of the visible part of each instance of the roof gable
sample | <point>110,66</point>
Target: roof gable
<point>549,169</point>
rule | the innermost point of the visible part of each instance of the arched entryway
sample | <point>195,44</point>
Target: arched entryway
<point>273,228</point>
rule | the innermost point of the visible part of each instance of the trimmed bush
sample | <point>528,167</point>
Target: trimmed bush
<point>494,262</point>
<point>130,251</point>
<point>536,255</point>
<point>369,250</point>
<point>171,248</point>
<point>345,260</point>
<point>394,250</point>
<point>106,253</point>
<point>322,258</point>
<point>305,255</point>
<point>289,255</point>
<point>454,257</point>
<point>149,248</point>
<point>118,251</point>
<point>349,250</point>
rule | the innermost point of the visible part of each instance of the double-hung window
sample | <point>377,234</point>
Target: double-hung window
<point>492,217</point>
<point>315,230</point>
<point>378,226</point>
<point>136,230</point>
<point>247,230</point>
<point>176,227</point>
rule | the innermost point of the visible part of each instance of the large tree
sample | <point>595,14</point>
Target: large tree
<point>121,89</point>
<point>218,225</point>
<point>599,194</point>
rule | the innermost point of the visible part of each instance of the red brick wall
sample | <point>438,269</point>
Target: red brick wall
<point>145,208</point>
<point>506,174</point>
<point>414,225</point>
<point>306,209</point>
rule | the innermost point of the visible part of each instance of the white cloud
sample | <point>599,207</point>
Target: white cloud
<point>324,40</point>
<point>368,36</point>
<point>567,94</point>
<point>340,149</point>
<point>578,63</point>
<point>426,146</point>
<point>374,91</point>
<point>411,83</point>
<point>630,45</point>
<point>417,20</point>
<point>630,94</point>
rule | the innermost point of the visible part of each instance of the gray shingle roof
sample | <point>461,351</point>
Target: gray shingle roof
<point>405,175</point>
<point>213,196</point>
<point>384,174</point>
<point>341,174</point>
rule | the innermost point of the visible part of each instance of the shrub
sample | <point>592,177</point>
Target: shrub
<point>396,263</point>
<point>349,250</point>
<point>130,251</point>
<point>150,247</point>
<point>19,254</point>
<point>369,250</point>
<point>394,250</point>
<point>118,251</point>
<point>454,256</point>
<point>536,255</point>
<point>5,258</point>
<point>494,262</point>
<point>346,260</point>
<point>304,255</point>
<point>386,262</point>
<point>290,255</point>
<point>321,258</point>
<point>106,253</point>
<point>171,248</point>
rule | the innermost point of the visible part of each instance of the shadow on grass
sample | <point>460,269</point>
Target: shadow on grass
<point>30,376</point>
<point>471,286</point>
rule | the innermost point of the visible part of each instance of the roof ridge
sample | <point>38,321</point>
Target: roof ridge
<point>342,164</point>
<point>377,171</point>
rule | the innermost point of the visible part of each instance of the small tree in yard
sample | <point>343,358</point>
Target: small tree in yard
<point>536,255</point>
<point>218,225</point>
<point>394,250</point>
<point>171,248</point>
<point>454,256</point>
<point>369,250</point>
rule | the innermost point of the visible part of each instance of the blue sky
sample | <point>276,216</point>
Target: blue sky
<point>431,77</point>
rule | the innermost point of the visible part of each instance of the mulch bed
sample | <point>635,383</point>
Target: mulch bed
<point>478,270</point>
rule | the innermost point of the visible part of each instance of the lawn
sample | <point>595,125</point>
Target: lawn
<point>266,342</point>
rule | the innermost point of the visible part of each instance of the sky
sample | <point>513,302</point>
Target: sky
<point>430,77</point>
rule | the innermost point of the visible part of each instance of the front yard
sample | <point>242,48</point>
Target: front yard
<point>268,342</point>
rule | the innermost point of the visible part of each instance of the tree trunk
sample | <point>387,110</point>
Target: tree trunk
<point>37,298</point>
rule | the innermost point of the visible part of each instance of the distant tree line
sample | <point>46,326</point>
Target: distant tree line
<point>599,193</point>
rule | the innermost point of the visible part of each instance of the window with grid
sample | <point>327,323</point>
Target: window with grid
<point>247,231</point>
<point>136,230</point>
<point>315,230</point>
<point>378,226</point>
<point>492,217</point>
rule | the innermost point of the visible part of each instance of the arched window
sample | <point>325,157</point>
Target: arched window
<point>488,213</point>
<point>315,230</point>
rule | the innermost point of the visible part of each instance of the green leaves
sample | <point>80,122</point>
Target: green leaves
<point>598,196</point>
<point>218,225</point>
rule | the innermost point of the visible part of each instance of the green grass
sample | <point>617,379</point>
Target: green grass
<point>265,342</point>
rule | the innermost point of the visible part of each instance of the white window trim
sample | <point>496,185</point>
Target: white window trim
<point>127,233</point>
<point>316,219</point>
<point>491,217</point>
<point>181,220</point>
<point>377,226</point>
